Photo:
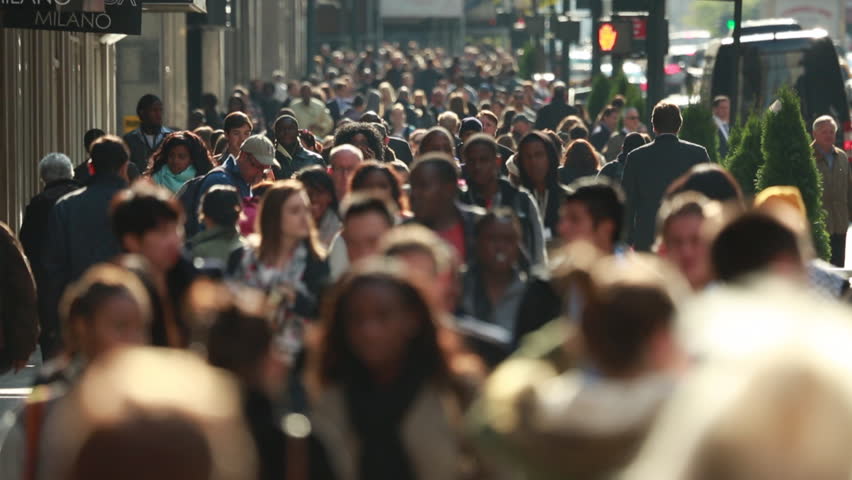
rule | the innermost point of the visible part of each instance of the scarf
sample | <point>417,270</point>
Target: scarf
<point>173,182</point>
<point>376,413</point>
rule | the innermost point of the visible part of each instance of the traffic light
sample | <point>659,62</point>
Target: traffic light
<point>616,36</point>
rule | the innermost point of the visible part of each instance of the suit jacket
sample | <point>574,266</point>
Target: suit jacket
<point>401,149</point>
<point>836,190</point>
<point>649,170</point>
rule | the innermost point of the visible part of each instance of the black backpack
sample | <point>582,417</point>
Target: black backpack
<point>189,196</point>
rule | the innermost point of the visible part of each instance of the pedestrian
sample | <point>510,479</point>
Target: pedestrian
<point>378,389</point>
<point>181,157</point>
<point>451,122</point>
<point>604,127</point>
<point>240,340</point>
<point>552,421</point>
<point>650,169</point>
<point>205,133</point>
<point>363,136</point>
<point>722,118</point>
<point>836,185</point>
<point>434,186</point>
<point>414,141</point>
<point>83,171</point>
<point>56,174</point>
<point>238,127</point>
<point>380,179</point>
<point>311,112</point>
<point>286,261</point>
<point>505,127</point>
<point>682,237</point>
<point>325,206</point>
<point>711,180</point>
<point>79,232</point>
<point>550,115</point>
<point>590,225</point>
<point>614,170</point>
<point>756,243</point>
<point>367,217</point>
<point>147,221</point>
<point>250,166</point>
<point>343,161</point>
<point>221,207</point>
<point>538,164</point>
<point>394,147</point>
<point>399,124</point>
<point>209,103</point>
<point>145,140</point>
<point>487,189</point>
<point>437,139</point>
<point>105,309</point>
<point>290,155</point>
<point>248,219</point>
<point>521,126</point>
<point>494,283</point>
<point>469,126</point>
<point>489,122</point>
<point>580,160</point>
<point>631,123</point>
<point>19,308</point>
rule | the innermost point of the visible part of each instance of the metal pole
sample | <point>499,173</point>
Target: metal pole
<point>554,21</point>
<point>597,13</point>
<point>311,19</point>
<point>738,20</point>
<point>656,53</point>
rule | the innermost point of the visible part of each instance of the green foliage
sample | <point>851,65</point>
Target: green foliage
<point>745,156</point>
<point>526,64</point>
<point>598,97</point>
<point>632,95</point>
<point>789,160</point>
<point>699,127</point>
<point>712,16</point>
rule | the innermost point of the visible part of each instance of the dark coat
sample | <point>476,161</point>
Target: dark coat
<point>140,149</point>
<point>401,149</point>
<point>551,114</point>
<point>539,305</point>
<point>470,215</point>
<point>649,170</point>
<point>34,227</point>
<point>19,327</point>
<point>600,136</point>
<point>300,159</point>
<point>80,235</point>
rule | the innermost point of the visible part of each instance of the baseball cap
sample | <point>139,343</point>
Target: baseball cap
<point>261,148</point>
<point>520,118</point>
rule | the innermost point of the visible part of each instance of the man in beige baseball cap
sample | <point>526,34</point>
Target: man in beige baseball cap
<point>257,155</point>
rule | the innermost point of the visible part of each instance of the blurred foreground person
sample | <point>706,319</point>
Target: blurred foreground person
<point>144,413</point>
<point>220,212</point>
<point>366,219</point>
<point>106,308</point>
<point>586,415</point>
<point>683,238</point>
<point>385,389</point>
<point>19,315</point>
<point>787,412</point>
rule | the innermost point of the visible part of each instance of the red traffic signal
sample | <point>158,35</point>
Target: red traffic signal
<point>607,37</point>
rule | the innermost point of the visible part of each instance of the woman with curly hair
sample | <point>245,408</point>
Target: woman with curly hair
<point>363,136</point>
<point>580,160</point>
<point>181,157</point>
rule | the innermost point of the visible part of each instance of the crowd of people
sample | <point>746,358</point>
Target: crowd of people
<point>412,266</point>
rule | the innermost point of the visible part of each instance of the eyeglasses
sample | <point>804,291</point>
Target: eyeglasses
<point>631,118</point>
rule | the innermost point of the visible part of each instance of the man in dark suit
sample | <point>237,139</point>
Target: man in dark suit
<point>551,114</point>
<point>651,168</point>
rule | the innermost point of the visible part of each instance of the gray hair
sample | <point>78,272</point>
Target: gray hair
<point>55,166</point>
<point>825,119</point>
<point>346,147</point>
<point>629,110</point>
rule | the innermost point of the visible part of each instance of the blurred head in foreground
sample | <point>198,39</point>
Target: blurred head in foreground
<point>143,413</point>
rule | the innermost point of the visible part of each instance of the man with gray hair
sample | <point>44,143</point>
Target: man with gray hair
<point>343,160</point>
<point>836,185</point>
<point>630,123</point>
<point>56,172</point>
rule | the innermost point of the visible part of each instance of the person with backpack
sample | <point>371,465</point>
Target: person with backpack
<point>486,189</point>
<point>254,162</point>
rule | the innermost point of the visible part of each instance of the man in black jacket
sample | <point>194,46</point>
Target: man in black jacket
<point>486,189</point>
<point>551,114</point>
<point>79,232</point>
<point>651,168</point>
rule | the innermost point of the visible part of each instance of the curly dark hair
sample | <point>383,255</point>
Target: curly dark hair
<point>347,132</point>
<point>359,179</point>
<point>197,152</point>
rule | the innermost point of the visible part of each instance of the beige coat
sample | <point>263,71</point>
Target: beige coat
<point>431,435</point>
<point>836,190</point>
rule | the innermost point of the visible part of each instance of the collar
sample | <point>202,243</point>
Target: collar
<point>280,148</point>
<point>824,153</point>
<point>669,136</point>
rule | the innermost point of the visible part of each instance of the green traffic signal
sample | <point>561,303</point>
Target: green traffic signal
<point>730,24</point>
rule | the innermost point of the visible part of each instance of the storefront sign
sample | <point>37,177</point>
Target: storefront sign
<point>95,16</point>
